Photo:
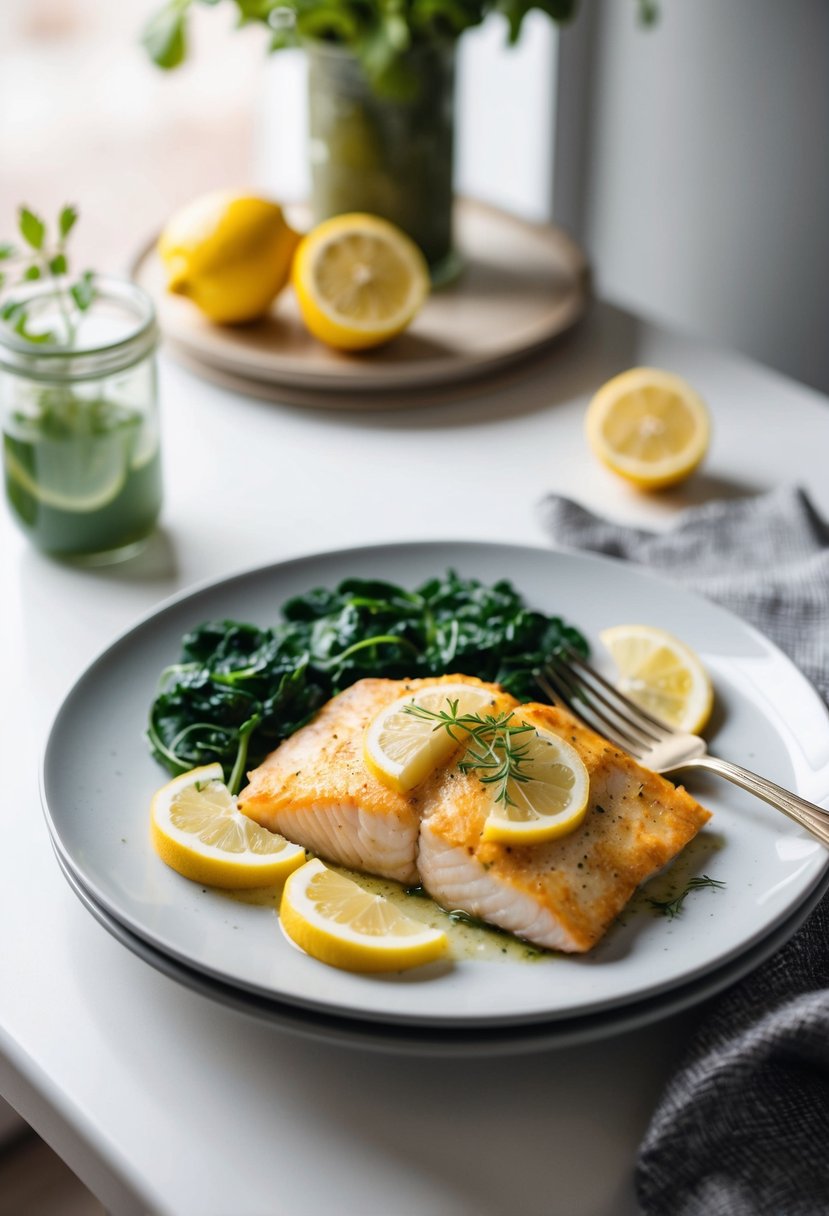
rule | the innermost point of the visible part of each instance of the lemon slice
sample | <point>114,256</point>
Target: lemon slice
<point>198,830</point>
<point>550,802</point>
<point>358,280</point>
<point>79,474</point>
<point>336,921</point>
<point>401,750</point>
<point>649,426</point>
<point>661,674</point>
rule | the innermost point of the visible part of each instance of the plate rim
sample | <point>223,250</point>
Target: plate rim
<point>257,572</point>
<point>453,1042</point>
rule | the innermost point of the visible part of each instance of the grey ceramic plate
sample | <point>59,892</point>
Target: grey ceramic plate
<point>98,779</point>
<point>464,1042</point>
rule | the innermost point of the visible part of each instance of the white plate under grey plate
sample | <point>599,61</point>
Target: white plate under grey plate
<point>98,779</point>
<point>442,1041</point>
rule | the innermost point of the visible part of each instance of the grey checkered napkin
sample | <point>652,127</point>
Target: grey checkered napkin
<point>743,1126</point>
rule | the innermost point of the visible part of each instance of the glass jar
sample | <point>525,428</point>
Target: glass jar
<point>81,449</point>
<point>383,154</point>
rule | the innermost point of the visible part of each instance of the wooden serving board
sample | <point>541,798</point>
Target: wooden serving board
<point>520,287</point>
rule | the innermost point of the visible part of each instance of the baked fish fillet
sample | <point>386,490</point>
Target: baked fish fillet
<point>316,790</point>
<point>565,893</point>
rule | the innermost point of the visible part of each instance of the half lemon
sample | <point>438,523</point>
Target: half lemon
<point>649,426</point>
<point>359,281</point>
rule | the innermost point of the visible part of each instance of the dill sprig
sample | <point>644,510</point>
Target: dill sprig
<point>673,907</point>
<point>492,751</point>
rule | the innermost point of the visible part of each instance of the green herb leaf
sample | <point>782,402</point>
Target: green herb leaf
<point>21,328</point>
<point>45,260</point>
<point>32,228</point>
<point>165,35</point>
<point>379,32</point>
<point>66,221</point>
<point>672,907</point>
<point>490,752</point>
<point>83,292</point>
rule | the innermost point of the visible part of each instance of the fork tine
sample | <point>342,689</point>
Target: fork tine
<point>651,726</point>
<point>595,714</point>
<point>547,680</point>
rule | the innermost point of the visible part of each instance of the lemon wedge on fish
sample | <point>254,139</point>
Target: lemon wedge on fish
<point>662,674</point>
<point>333,919</point>
<point>199,831</point>
<point>546,797</point>
<point>401,750</point>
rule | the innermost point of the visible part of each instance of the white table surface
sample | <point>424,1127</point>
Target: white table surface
<point>161,1100</point>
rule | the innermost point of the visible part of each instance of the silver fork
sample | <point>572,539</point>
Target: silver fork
<point>569,681</point>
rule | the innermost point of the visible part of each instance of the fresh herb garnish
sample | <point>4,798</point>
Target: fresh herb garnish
<point>42,257</point>
<point>492,752</point>
<point>673,907</point>
<point>380,32</point>
<point>230,672</point>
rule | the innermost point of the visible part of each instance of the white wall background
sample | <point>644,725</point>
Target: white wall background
<point>703,198</point>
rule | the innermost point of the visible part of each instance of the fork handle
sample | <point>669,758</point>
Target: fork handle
<point>807,814</point>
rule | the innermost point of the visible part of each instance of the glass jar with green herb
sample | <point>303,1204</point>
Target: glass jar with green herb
<point>387,153</point>
<point>80,421</point>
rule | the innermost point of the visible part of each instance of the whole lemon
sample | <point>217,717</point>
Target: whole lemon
<point>228,253</point>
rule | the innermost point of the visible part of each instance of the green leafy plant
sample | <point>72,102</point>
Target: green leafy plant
<point>42,256</point>
<point>380,32</point>
<point>232,674</point>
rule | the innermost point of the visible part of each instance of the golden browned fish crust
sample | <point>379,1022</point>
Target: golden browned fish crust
<point>316,790</point>
<point>565,893</point>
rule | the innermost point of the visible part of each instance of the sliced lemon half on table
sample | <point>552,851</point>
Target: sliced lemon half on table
<point>359,281</point>
<point>199,831</point>
<point>649,426</point>
<point>662,674</point>
<point>549,800</point>
<point>401,749</point>
<point>333,919</point>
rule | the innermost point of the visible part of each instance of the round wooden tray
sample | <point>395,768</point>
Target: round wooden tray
<point>521,286</point>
